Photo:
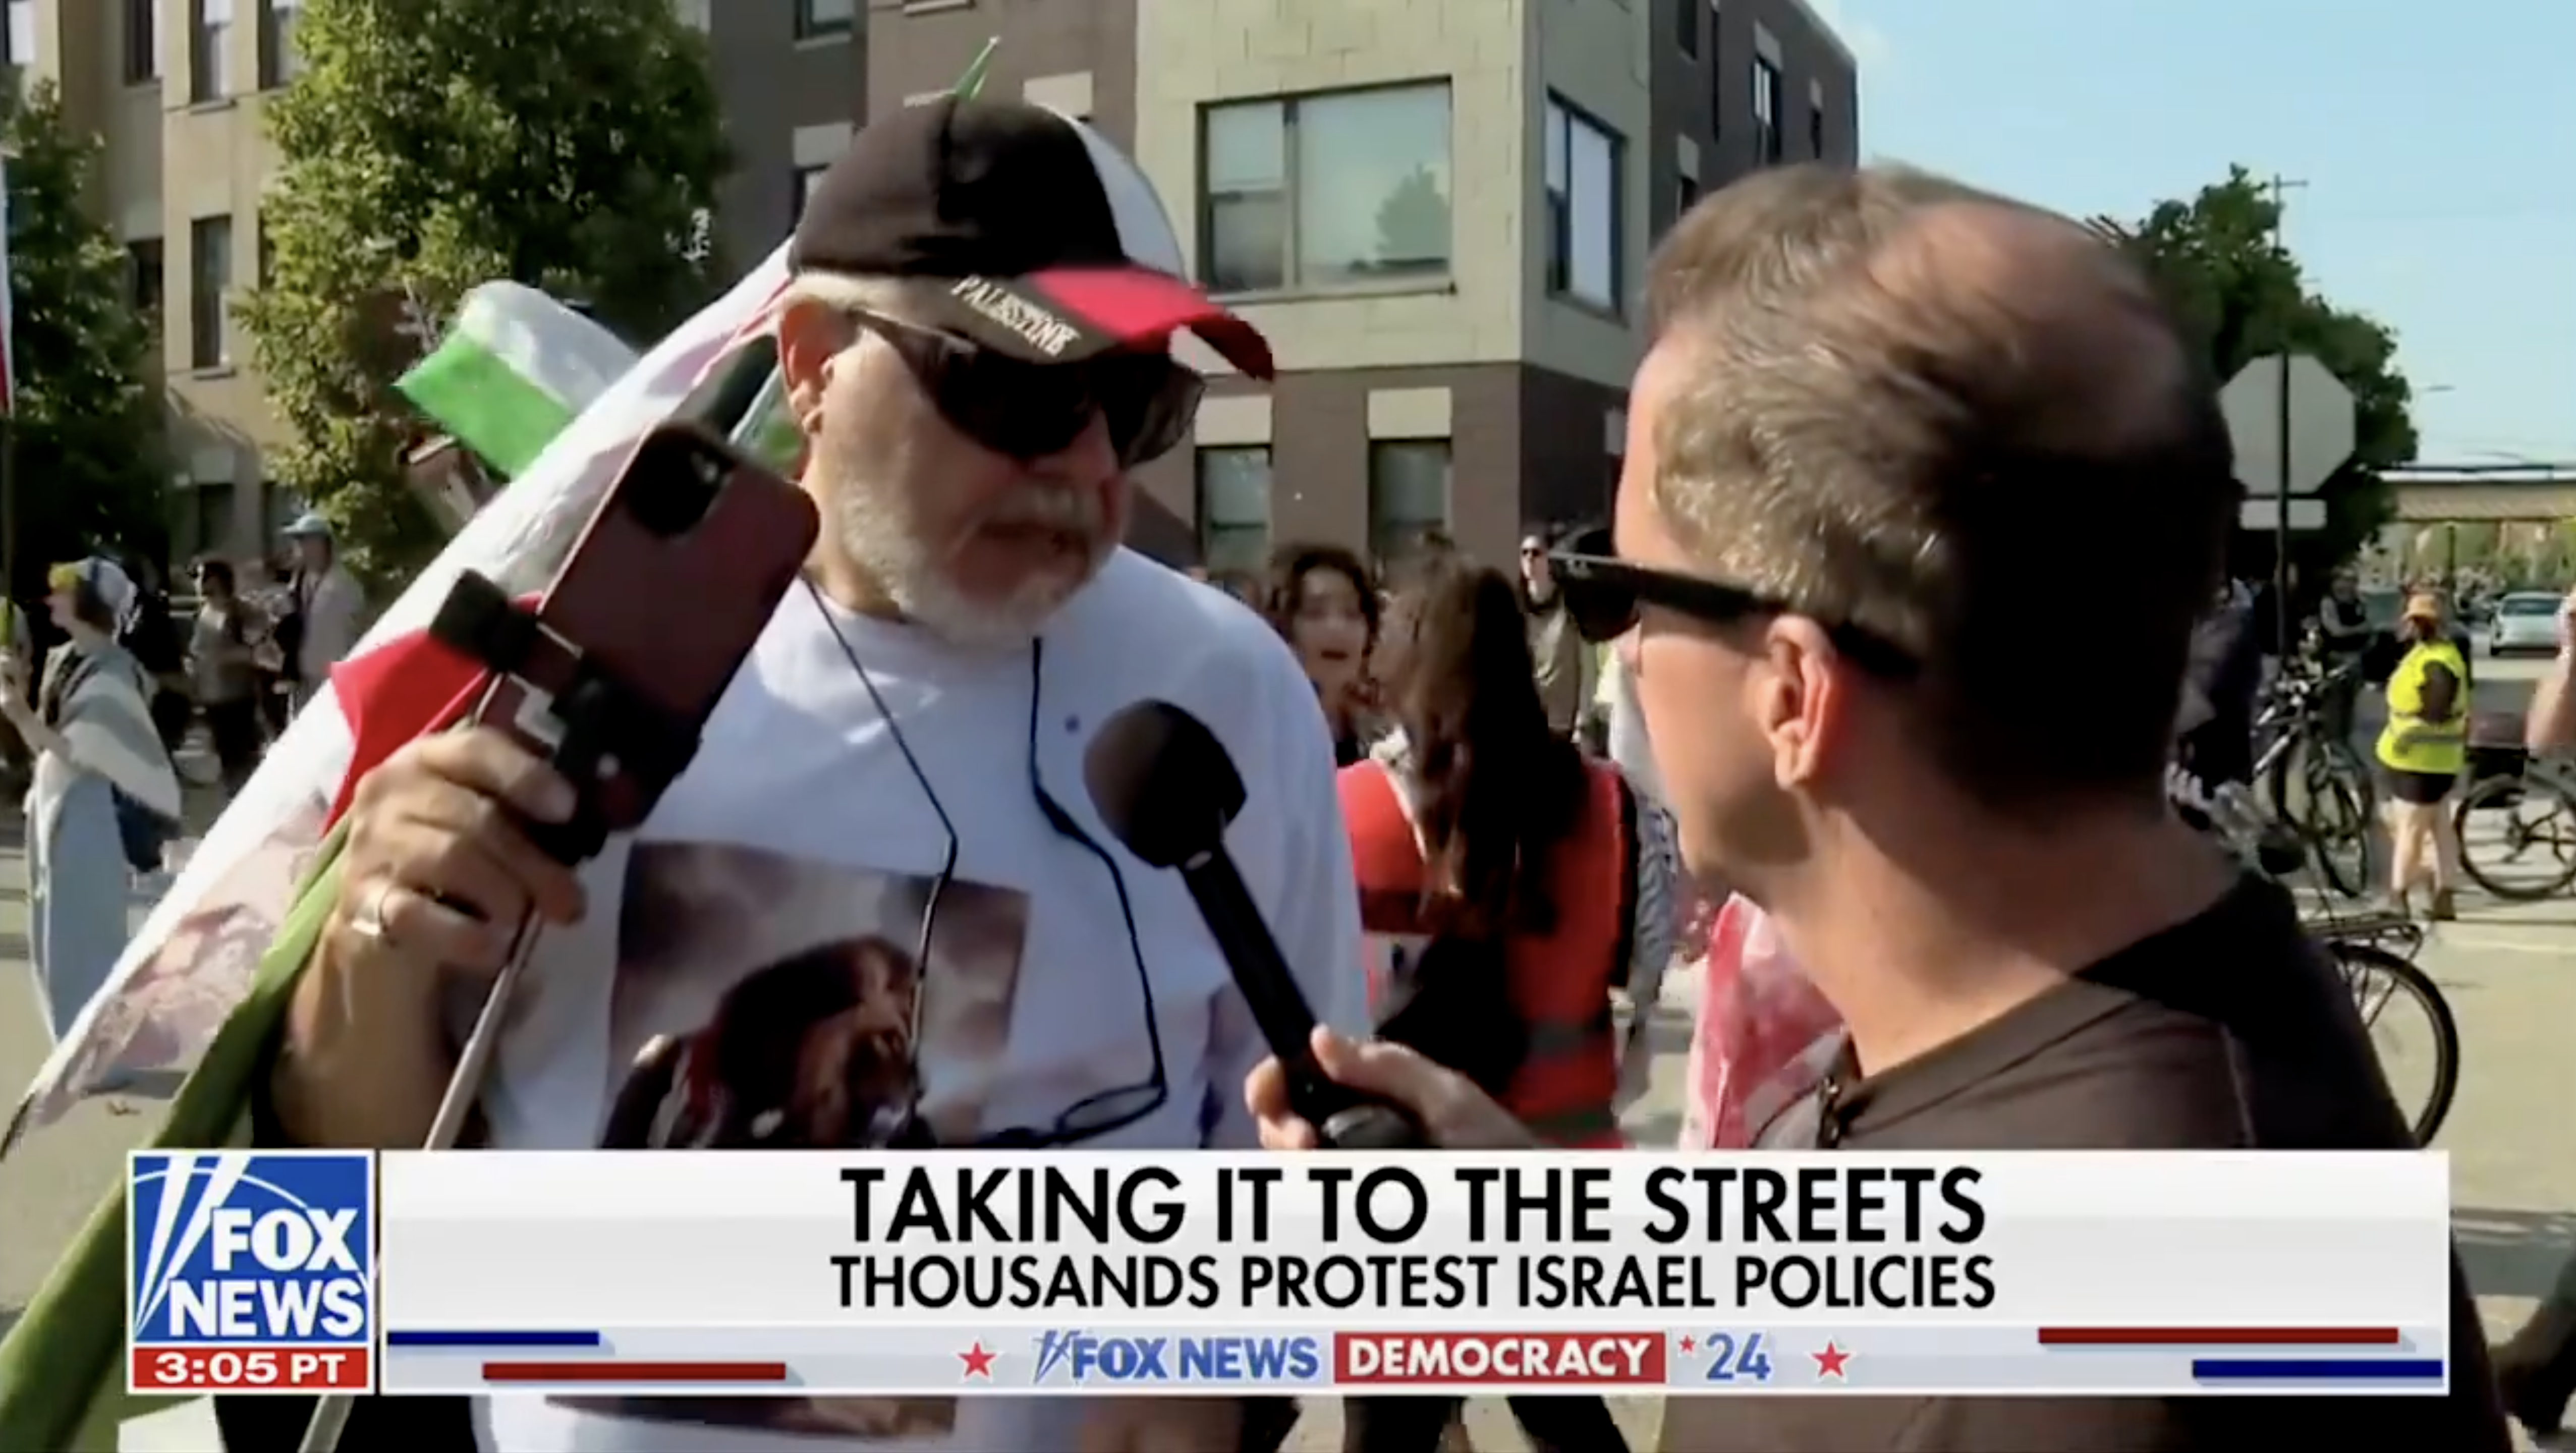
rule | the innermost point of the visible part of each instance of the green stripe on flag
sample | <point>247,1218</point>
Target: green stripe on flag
<point>490,406</point>
<point>63,1366</point>
<point>515,369</point>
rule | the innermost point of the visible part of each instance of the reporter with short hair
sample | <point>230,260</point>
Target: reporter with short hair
<point>1876,405</point>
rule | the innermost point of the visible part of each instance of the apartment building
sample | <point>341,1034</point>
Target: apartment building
<point>1439,211</point>
<point>1744,84</point>
<point>175,89</point>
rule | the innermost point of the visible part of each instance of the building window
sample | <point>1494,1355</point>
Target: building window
<point>278,63</point>
<point>22,33</point>
<point>143,284</point>
<point>210,283</point>
<point>1234,508</point>
<point>1716,74</point>
<point>1408,495</point>
<point>210,45</point>
<point>816,19</point>
<point>1816,130</point>
<point>1766,112</point>
<point>213,507</point>
<point>1325,192</point>
<point>801,190</point>
<point>142,41</point>
<point>1582,207</point>
<point>1686,26</point>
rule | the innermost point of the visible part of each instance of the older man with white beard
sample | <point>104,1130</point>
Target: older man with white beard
<point>889,802</point>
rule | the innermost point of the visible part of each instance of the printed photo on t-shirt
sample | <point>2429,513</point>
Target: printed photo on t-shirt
<point>768,1002</point>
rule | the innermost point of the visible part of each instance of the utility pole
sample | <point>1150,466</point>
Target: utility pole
<point>2278,188</point>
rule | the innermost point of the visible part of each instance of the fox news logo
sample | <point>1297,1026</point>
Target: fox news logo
<point>274,1248</point>
<point>1083,1358</point>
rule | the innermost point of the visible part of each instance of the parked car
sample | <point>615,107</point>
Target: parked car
<point>2526,620</point>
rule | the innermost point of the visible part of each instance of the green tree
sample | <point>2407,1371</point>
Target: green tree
<point>2242,295</point>
<point>428,146</point>
<point>91,470</point>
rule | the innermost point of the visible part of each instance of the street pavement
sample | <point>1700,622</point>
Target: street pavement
<point>2508,970</point>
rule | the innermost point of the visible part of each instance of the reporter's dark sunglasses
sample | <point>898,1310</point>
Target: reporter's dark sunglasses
<point>1026,410</point>
<point>1604,593</point>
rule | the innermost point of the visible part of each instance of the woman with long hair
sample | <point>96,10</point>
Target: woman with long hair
<point>1320,598</point>
<point>1509,887</point>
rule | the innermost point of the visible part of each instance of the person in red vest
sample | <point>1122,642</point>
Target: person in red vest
<point>1508,887</point>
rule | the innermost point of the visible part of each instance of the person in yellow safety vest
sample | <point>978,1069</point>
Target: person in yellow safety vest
<point>2422,752</point>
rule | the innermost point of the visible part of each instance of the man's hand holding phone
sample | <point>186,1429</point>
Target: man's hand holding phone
<point>436,875</point>
<point>439,866</point>
<point>1452,1111</point>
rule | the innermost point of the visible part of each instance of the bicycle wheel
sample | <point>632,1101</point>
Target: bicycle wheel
<point>2321,792</point>
<point>2518,836</point>
<point>2423,1069</point>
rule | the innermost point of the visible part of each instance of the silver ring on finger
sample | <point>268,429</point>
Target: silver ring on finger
<point>369,921</point>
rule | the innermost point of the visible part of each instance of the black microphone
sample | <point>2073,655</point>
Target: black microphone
<point>1166,787</point>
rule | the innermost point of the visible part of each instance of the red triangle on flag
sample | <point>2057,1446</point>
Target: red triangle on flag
<point>399,692</point>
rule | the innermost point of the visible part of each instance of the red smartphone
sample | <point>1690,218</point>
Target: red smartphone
<point>614,673</point>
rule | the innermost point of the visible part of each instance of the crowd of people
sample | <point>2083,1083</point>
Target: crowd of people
<point>1960,912</point>
<point>103,701</point>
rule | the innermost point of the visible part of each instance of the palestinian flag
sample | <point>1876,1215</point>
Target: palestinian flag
<point>513,373</point>
<point>202,989</point>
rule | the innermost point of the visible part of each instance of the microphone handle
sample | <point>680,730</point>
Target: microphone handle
<point>1346,1118</point>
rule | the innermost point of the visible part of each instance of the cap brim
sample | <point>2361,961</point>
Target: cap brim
<point>1065,314</point>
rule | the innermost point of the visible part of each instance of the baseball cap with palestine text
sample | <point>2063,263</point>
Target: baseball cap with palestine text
<point>1016,227</point>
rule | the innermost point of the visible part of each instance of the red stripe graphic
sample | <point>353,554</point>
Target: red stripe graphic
<point>598,1371</point>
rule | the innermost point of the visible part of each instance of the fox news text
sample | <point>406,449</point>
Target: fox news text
<point>250,1272</point>
<point>816,1274</point>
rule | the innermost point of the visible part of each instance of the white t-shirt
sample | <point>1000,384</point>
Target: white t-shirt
<point>1627,736</point>
<point>783,880</point>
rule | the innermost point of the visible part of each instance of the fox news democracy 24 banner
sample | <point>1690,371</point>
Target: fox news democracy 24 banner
<point>839,1278</point>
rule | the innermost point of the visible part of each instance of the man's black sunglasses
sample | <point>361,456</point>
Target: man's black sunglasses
<point>1024,410</point>
<point>1603,594</point>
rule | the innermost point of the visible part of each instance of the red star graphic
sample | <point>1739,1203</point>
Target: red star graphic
<point>979,1363</point>
<point>1688,1344</point>
<point>1829,1363</point>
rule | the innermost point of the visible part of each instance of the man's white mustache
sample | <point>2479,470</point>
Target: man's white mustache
<point>1076,512</point>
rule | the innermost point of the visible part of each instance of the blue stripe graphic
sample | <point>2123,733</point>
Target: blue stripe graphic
<point>495,1339</point>
<point>2316,1369</point>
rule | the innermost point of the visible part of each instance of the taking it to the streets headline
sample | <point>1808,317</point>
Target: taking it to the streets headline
<point>1398,1238</point>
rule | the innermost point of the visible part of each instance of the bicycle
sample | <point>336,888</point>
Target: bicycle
<point>2503,819</point>
<point>2373,950</point>
<point>2332,807</point>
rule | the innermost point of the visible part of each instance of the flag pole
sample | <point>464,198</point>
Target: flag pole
<point>10,609</point>
<point>972,81</point>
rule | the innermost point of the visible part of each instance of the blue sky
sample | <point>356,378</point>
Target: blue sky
<point>2438,143</point>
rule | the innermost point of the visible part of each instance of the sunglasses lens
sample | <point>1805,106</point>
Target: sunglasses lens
<point>1150,402</point>
<point>1030,410</point>
<point>1600,610</point>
